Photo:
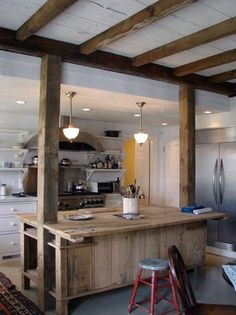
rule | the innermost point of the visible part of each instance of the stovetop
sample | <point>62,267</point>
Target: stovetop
<point>70,193</point>
<point>80,193</point>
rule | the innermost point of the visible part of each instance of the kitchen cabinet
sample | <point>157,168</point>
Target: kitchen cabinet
<point>9,224</point>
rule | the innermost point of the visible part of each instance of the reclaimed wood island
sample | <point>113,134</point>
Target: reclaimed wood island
<point>103,253</point>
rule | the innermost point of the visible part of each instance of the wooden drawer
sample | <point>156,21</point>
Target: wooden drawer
<point>9,244</point>
<point>9,224</point>
<point>11,208</point>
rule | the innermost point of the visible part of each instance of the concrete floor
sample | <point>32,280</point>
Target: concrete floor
<point>208,284</point>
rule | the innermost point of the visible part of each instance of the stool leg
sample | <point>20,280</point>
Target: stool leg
<point>174,293</point>
<point>153,291</point>
<point>134,290</point>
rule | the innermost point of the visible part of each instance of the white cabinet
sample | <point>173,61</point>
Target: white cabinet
<point>9,225</point>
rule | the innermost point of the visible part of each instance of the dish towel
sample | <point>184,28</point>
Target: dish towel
<point>230,270</point>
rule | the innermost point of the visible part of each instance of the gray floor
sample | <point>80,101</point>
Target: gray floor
<point>208,284</point>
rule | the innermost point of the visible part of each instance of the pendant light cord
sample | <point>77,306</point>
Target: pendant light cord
<point>70,95</point>
<point>141,118</point>
<point>140,105</point>
<point>70,121</point>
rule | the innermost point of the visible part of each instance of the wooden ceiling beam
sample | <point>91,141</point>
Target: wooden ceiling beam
<point>206,63</point>
<point>144,17</point>
<point>224,76</point>
<point>38,46</point>
<point>50,10</point>
<point>204,36</point>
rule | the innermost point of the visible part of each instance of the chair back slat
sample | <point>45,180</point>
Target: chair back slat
<point>181,279</point>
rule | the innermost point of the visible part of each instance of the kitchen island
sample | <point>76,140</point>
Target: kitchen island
<point>102,253</point>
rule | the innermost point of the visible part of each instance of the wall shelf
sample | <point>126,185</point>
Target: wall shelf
<point>96,174</point>
<point>15,150</point>
<point>13,169</point>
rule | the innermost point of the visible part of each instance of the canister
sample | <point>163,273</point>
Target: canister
<point>3,190</point>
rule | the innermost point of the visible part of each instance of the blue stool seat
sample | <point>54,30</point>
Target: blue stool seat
<point>161,278</point>
<point>154,264</point>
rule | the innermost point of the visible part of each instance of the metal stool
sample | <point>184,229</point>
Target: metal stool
<point>160,270</point>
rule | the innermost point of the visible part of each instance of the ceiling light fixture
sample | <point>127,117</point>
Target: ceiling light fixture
<point>136,115</point>
<point>141,137</point>
<point>86,109</point>
<point>164,124</point>
<point>20,102</point>
<point>207,112</point>
<point>71,132</point>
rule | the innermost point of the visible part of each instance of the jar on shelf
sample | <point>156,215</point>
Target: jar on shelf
<point>3,190</point>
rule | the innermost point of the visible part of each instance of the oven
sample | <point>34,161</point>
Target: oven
<point>80,200</point>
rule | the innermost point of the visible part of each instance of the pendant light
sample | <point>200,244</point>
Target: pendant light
<point>141,137</point>
<point>71,132</point>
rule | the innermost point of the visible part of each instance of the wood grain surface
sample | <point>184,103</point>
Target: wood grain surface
<point>104,221</point>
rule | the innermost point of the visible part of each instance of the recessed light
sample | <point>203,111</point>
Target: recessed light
<point>164,124</point>
<point>207,112</point>
<point>20,102</point>
<point>86,109</point>
<point>136,115</point>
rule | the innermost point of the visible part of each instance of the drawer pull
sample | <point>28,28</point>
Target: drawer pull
<point>14,209</point>
<point>13,224</point>
<point>13,243</point>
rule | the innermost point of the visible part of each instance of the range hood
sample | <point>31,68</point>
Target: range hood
<point>83,142</point>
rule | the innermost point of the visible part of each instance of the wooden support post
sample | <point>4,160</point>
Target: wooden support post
<point>187,144</point>
<point>25,257</point>
<point>48,143</point>
<point>61,277</point>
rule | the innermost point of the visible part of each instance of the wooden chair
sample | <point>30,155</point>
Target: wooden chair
<point>185,291</point>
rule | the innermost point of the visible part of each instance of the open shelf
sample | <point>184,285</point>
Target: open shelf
<point>13,169</point>
<point>32,274</point>
<point>31,232</point>
<point>114,172</point>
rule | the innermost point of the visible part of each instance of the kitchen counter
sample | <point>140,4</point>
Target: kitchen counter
<point>103,253</point>
<point>17,199</point>
<point>104,222</point>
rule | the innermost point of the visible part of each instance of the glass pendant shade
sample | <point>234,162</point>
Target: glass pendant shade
<point>140,136</point>
<point>71,132</point>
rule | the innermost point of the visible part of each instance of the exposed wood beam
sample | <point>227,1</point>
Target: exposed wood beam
<point>50,10</point>
<point>204,36</point>
<point>187,144</point>
<point>221,77</point>
<point>206,63</point>
<point>38,46</point>
<point>144,17</point>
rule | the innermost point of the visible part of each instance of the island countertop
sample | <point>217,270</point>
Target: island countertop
<point>104,222</point>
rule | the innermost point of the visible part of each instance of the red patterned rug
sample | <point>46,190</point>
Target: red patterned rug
<point>13,302</point>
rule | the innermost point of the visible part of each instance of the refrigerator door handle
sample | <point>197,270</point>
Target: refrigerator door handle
<point>221,181</point>
<point>214,181</point>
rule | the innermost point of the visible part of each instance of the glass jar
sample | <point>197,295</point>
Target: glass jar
<point>3,190</point>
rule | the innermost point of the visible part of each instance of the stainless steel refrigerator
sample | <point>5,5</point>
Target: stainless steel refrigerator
<point>216,182</point>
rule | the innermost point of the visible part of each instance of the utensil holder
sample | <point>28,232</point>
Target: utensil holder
<point>131,205</point>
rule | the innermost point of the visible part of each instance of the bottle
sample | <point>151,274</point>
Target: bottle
<point>3,190</point>
<point>119,163</point>
<point>118,184</point>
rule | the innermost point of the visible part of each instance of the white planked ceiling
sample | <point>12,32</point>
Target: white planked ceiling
<point>85,19</point>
